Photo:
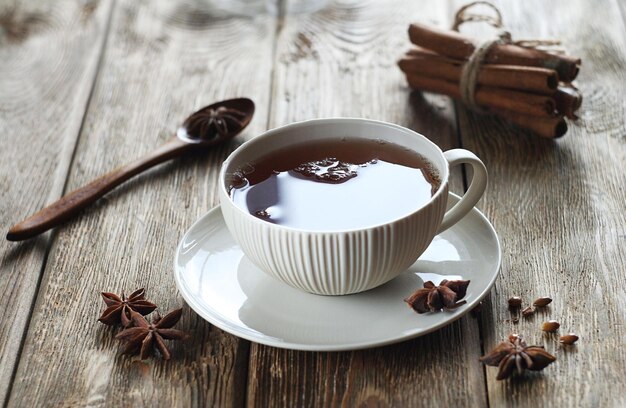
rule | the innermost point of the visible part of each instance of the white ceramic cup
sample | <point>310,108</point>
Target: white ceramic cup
<point>350,261</point>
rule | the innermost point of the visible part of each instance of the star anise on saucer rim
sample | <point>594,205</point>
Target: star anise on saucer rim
<point>209,123</point>
<point>119,308</point>
<point>432,298</point>
<point>143,337</point>
<point>515,356</point>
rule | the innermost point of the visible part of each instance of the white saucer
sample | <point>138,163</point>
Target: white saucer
<point>226,289</point>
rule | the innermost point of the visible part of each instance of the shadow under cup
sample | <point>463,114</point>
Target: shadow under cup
<point>337,262</point>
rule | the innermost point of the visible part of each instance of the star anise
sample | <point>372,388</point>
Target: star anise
<point>515,356</point>
<point>434,298</point>
<point>119,308</point>
<point>143,337</point>
<point>208,123</point>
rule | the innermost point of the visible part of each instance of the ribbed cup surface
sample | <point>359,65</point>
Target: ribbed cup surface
<point>335,263</point>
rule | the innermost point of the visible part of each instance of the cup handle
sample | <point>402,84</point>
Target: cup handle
<point>474,192</point>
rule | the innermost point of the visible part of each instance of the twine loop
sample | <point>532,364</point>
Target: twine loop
<point>471,68</point>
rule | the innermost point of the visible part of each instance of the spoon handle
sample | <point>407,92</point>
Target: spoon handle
<point>67,206</point>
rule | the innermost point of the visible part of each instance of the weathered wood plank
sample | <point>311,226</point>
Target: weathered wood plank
<point>49,52</point>
<point>560,211</point>
<point>162,61</point>
<point>341,62</point>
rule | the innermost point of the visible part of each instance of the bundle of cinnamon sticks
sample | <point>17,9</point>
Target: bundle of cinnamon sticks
<point>529,87</point>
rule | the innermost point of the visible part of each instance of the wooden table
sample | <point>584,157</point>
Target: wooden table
<point>89,85</point>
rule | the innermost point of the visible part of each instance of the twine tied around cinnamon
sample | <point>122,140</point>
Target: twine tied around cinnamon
<point>471,69</point>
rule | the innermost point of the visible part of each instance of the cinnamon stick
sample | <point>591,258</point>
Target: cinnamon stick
<point>551,128</point>
<point>568,99</point>
<point>455,45</point>
<point>531,79</point>
<point>489,97</point>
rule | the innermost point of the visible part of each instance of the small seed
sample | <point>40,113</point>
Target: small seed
<point>528,311</point>
<point>515,302</point>
<point>542,302</point>
<point>568,339</point>
<point>550,326</point>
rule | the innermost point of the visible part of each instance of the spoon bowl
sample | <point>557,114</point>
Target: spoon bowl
<point>217,122</point>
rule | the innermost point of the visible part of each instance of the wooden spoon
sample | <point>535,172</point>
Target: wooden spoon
<point>207,127</point>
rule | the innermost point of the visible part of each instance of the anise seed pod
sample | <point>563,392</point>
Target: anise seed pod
<point>144,337</point>
<point>432,298</point>
<point>515,356</point>
<point>119,307</point>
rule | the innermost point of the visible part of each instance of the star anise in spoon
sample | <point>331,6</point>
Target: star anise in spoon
<point>209,123</point>
<point>515,356</point>
<point>144,337</point>
<point>119,308</point>
<point>433,298</point>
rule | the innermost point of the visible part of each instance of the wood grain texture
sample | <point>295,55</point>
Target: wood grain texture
<point>560,210</point>
<point>558,206</point>
<point>49,52</point>
<point>341,61</point>
<point>162,61</point>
